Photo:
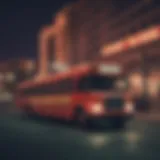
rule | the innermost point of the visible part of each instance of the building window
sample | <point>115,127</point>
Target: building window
<point>136,83</point>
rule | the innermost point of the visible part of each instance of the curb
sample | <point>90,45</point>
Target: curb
<point>149,116</point>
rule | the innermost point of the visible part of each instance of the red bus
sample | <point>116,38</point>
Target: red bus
<point>84,94</point>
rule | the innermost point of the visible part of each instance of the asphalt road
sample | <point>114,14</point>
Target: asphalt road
<point>24,138</point>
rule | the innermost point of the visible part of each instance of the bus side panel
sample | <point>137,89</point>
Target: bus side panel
<point>67,107</point>
<point>63,106</point>
<point>81,100</point>
<point>57,106</point>
<point>20,102</point>
<point>43,105</point>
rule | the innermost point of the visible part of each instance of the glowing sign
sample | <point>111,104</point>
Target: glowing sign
<point>143,37</point>
<point>114,47</point>
<point>110,69</point>
<point>138,39</point>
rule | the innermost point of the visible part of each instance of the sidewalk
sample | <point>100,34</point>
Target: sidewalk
<point>151,116</point>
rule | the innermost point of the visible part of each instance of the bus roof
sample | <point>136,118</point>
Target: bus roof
<point>73,72</point>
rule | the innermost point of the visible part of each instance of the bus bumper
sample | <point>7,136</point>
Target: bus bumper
<point>124,118</point>
<point>111,120</point>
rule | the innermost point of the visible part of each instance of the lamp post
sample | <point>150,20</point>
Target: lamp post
<point>145,102</point>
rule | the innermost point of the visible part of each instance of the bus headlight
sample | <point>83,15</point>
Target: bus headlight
<point>129,107</point>
<point>97,108</point>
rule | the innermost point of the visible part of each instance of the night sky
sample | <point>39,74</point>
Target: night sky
<point>20,21</point>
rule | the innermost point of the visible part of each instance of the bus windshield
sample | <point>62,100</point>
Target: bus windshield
<point>96,83</point>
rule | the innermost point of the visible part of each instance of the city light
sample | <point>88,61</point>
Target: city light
<point>59,66</point>
<point>30,65</point>
<point>10,77</point>
<point>107,69</point>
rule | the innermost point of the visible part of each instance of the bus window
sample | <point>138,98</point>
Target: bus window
<point>63,86</point>
<point>96,82</point>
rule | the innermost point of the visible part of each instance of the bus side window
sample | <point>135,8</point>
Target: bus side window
<point>83,83</point>
<point>45,89</point>
<point>31,91</point>
<point>26,92</point>
<point>64,86</point>
<point>68,86</point>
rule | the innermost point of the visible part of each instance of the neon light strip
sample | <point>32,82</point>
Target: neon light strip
<point>141,38</point>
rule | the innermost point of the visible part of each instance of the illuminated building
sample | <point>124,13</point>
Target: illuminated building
<point>83,29</point>
<point>14,71</point>
<point>114,25</point>
<point>53,42</point>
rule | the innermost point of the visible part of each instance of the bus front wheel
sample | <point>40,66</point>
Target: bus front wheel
<point>29,112</point>
<point>80,118</point>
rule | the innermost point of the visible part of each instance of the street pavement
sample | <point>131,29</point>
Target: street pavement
<point>36,138</point>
